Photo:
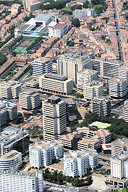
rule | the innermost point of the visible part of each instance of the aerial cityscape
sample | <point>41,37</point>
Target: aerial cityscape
<point>63,96</point>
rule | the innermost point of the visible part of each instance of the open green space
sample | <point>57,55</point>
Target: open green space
<point>22,46</point>
<point>100,125</point>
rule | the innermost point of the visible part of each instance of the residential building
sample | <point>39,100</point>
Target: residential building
<point>13,138</point>
<point>42,154</point>
<point>101,106</point>
<point>54,117</point>
<point>29,100</point>
<point>84,76</point>
<point>59,30</point>
<point>77,163</point>
<point>69,64</point>
<point>117,87</point>
<point>78,13</point>
<point>41,66</point>
<point>11,161</point>
<point>15,9</point>
<point>9,89</point>
<point>93,89</point>
<point>56,83</point>
<point>125,111</point>
<point>8,111</point>
<point>21,182</point>
<point>119,145</point>
<point>123,72</point>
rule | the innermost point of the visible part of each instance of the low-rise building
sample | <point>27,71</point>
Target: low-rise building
<point>119,145</point>
<point>117,87</point>
<point>77,163</point>
<point>29,100</point>
<point>56,83</point>
<point>93,89</point>
<point>11,161</point>
<point>21,182</point>
<point>87,75</point>
<point>42,154</point>
<point>101,106</point>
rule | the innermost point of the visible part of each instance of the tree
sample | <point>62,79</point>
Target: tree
<point>3,59</point>
<point>85,5</point>
<point>76,22</point>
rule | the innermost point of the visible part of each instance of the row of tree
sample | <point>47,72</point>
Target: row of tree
<point>37,40</point>
<point>15,42</point>
<point>9,37</point>
<point>53,4</point>
<point>3,59</point>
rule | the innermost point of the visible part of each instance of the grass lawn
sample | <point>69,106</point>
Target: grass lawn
<point>100,125</point>
<point>67,9</point>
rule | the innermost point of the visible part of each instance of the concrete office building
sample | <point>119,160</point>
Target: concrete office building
<point>107,68</point>
<point>54,117</point>
<point>9,89</point>
<point>29,100</point>
<point>117,87</point>
<point>13,138</point>
<point>101,106</point>
<point>77,163</point>
<point>59,30</point>
<point>8,111</point>
<point>118,146</point>
<point>41,66</point>
<point>11,161</point>
<point>21,182</point>
<point>42,154</point>
<point>69,64</point>
<point>125,111</point>
<point>93,89</point>
<point>56,83</point>
<point>87,75</point>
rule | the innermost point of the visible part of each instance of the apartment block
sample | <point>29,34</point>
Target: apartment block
<point>8,111</point>
<point>59,30</point>
<point>56,83</point>
<point>41,66</point>
<point>117,87</point>
<point>42,154</point>
<point>106,68</point>
<point>119,146</point>
<point>125,111</point>
<point>11,161</point>
<point>21,182</point>
<point>123,72</point>
<point>69,64</point>
<point>77,163</point>
<point>84,76</point>
<point>54,117</point>
<point>101,106</point>
<point>93,89</point>
<point>29,100</point>
<point>9,89</point>
<point>13,138</point>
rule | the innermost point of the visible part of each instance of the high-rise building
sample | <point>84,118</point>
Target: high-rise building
<point>125,111</point>
<point>42,154</point>
<point>21,182</point>
<point>118,146</point>
<point>11,161</point>
<point>123,72</point>
<point>41,66</point>
<point>54,117</point>
<point>56,83</point>
<point>77,163</point>
<point>29,100</point>
<point>101,106</point>
<point>13,138</point>
<point>117,87</point>
<point>119,166</point>
<point>93,89</point>
<point>70,64</point>
<point>87,75</point>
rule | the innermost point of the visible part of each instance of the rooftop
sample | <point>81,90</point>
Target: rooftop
<point>55,76</point>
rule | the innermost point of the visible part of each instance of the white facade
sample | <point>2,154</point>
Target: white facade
<point>117,87</point>
<point>11,161</point>
<point>119,166</point>
<point>83,13</point>
<point>20,182</point>
<point>59,30</point>
<point>93,89</point>
<point>87,75</point>
<point>123,72</point>
<point>42,154</point>
<point>125,111</point>
<point>41,66</point>
<point>77,163</point>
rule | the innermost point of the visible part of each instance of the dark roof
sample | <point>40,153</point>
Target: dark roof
<point>55,76</point>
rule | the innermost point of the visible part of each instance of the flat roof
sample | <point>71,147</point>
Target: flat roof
<point>43,17</point>
<point>55,76</point>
